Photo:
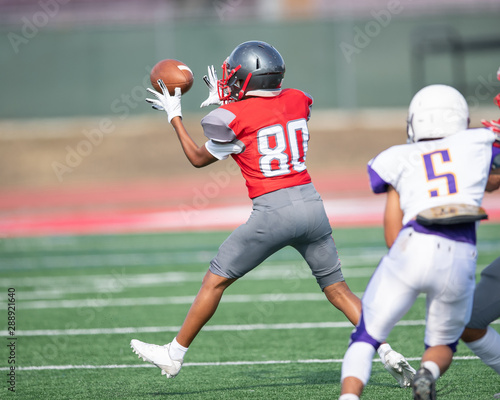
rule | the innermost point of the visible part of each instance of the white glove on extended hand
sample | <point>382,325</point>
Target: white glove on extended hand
<point>213,94</point>
<point>399,368</point>
<point>165,102</point>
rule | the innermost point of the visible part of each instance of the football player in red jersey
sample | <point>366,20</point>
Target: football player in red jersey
<point>264,129</point>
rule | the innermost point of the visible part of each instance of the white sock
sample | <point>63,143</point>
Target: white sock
<point>358,361</point>
<point>488,348</point>
<point>348,396</point>
<point>177,351</point>
<point>433,368</point>
<point>383,349</point>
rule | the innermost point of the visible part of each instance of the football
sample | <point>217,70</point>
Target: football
<point>174,73</point>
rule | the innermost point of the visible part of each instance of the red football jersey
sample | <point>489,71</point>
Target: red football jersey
<point>275,136</point>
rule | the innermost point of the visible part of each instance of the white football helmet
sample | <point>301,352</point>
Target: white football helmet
<point>436,111</point>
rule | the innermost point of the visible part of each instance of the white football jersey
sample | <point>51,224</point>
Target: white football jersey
<point>436,172</point>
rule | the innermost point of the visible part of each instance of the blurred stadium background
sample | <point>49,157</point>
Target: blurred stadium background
<point>76,137</point>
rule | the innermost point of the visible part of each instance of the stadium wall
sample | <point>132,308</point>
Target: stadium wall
<point>54,71</point>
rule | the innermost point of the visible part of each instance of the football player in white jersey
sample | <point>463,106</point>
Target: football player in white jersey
<point>435,185</point>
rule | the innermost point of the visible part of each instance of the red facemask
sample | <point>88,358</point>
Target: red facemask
<point>227,84</point>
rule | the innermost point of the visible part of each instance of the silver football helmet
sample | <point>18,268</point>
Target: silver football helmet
<point>436,111</point>
<point>252,65</point>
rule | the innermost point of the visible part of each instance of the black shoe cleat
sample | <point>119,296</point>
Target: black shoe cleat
<point>424,385</point>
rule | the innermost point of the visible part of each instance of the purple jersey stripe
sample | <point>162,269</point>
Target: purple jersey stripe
<point>460,232</point>
<point>452,346</point>
<point>377,184</point>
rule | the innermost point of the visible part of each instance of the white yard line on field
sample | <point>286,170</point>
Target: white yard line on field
<point>203,364</point>
<point>363,256</point>
<point>207,328</point>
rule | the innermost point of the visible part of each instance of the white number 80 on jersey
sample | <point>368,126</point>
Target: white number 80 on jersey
<point>276,160</point>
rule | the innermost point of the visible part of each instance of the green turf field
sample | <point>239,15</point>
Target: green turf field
<point>80,300</point>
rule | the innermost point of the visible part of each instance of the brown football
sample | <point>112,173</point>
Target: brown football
<point>174,74</point>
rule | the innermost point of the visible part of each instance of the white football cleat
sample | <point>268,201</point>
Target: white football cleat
<point>399,368</point>
<point>157,355</point>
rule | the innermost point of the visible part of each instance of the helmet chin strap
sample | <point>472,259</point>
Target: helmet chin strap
<point>243,89</point>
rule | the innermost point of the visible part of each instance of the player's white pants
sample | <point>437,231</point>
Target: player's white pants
<point>417,263</point>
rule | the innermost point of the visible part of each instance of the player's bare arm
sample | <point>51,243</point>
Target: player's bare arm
<point>393,217</point>
<point>493,181</point>
<point>198,156</point>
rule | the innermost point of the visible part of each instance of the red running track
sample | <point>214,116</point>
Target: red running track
<point>176,206</point>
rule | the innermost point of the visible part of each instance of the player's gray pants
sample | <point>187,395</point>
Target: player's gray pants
<point>287,217</point>
<point>486,306</point>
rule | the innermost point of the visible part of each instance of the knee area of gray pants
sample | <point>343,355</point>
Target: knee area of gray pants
<point>332,276</point>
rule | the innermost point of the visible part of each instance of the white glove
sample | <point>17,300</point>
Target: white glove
<point>165,102</point>
<point>213,94</point>
<point>399,368</point>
